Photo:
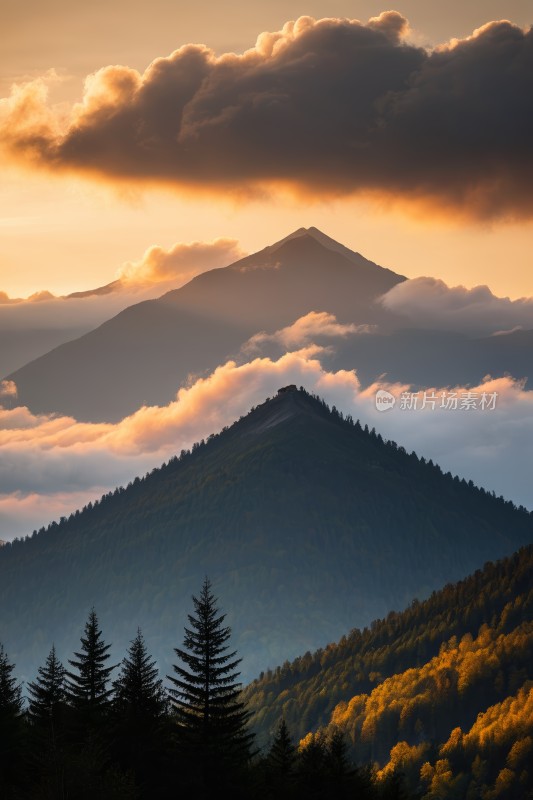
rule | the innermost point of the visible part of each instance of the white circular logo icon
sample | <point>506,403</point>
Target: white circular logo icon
<point>384,400</point>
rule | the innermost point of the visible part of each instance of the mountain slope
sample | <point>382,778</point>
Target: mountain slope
<point>17,347</point>
<point>425,358</point>
<point>307,525</point>
<point>442,691</point>
<point>147,351</point>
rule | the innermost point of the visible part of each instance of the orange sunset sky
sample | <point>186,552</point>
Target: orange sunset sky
<point>71,217</point>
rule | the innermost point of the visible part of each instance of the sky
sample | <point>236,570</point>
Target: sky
<point>68,224</point>
<point>146,142</point>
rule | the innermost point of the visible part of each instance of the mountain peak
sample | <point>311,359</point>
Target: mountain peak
<point>315,236</point>
<point>318,236</point>
<point>288,403</point>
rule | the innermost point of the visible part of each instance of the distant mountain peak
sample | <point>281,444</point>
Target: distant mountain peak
<point>316,235</point>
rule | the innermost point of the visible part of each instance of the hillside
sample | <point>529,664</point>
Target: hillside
<point>307,525</point>
<point>442,691</point>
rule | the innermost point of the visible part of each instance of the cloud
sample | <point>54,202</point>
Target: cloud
<point>5,299</point>
<point>21,513</point>
<point>36,297</point>
<point>490,445</point>
<point>307,329</point>
<point>49,463</point>
<point>8,390</point>
<point>430,303</point>
<point>324,106</point>
<point>180,263</point>
<point>32,326</point>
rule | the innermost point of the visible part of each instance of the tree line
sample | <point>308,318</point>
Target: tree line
<point>82,734</point>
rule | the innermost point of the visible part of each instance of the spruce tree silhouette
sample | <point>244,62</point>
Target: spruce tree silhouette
<point>279,765</point>
<point>140,735</point>
<point>87,689</point>
<point>47,692</point>
<point>89,696</point>
<point>211,718</point>
<point>10,726</point>
<point>10,690</point>
<point>281,757</point>
<point>139,693</point>
<point>46,712</point>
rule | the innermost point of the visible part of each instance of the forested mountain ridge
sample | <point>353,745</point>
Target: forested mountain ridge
<point>442,691</point>
<point>308,524</point>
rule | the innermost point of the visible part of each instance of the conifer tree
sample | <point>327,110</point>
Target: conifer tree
<point>46,711</point>
<point>47,692</point>
<point>337,752</point>
<point>10,690</point>
<point>139,693</point>
<point>278,766</point>
<point>87,688</point>
<point>10,726</point>
<point>282,754</point>
<point>313,766</point>
<point>211,718</point>
<point>88,692</point>
<point>139,715</point>
<point>344,780</point>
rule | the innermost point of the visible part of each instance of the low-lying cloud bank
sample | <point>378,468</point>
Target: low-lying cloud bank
<point>325,106</point>
<point>23,321</point>
<point>51,465</point>
<point>158,270</point>
<point>430,303</point>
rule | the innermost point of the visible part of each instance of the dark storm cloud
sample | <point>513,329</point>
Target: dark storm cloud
<point>329,106</point>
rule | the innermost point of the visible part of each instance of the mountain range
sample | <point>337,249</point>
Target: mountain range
<point>142,355</point>
<point>146,352</point>
<point>307,524</point>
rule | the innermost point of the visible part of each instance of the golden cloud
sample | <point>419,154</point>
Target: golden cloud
<point>330,106</point>
<point>180,263</point>
<point>306,329</point>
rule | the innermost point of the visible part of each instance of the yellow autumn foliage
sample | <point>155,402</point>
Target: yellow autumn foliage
<point>457,666</point>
